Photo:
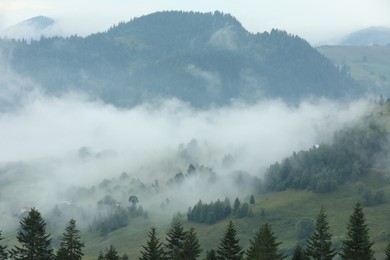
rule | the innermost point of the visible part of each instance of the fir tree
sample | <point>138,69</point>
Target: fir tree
<point>100,256</point>
<point>211,255</point>
<point>175,241</point>
<point>357,245</point>
<point>111,254</point>
<point>71,246</point>
<point>252,200</point>
<point>154,248</point>
<point>264,247</point>
<point>3,250</point>
<point>299,253</point>
<point>229,248</point>
<point>387,251</point>
<point>191,247</point>
<point>33,240</point>
<point>319,244</point>
<point>236,206</point>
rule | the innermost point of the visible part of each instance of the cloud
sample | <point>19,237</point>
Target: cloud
<point>224,38</point>
<point>51,144</point>
<point>212,78</point>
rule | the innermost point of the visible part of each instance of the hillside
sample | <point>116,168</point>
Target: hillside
<point>367,37</point>
<point>204,59</point>
<point>287,209</point>
<point>369,65</point>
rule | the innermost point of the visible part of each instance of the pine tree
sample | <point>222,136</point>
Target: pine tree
<point>211,255</point>
<point>175,241</point>
<point>264,247</point>
<point>387,251</point>
<point>100,256</point>
<point>154,248</point>
<point>299,253</point>
<point>252,200</point>
<point>111,254</point>
<point>319,244</point>
<point>3,250</point>
<point>236,206</point>
<point>33,240</point>
<point>191,247</point>
<point>71,246</point>
<point>357,245</point>
<point>229,247</point>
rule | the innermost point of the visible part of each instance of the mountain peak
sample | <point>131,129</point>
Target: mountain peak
<point>32,28</point>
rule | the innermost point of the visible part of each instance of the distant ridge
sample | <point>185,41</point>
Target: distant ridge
<point>204,59</point>
<point>368,36</point>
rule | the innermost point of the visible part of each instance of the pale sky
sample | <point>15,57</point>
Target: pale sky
<point>314,20</point>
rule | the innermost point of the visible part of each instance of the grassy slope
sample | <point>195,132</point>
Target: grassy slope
<point>282,209</point>
<point>368,64</point>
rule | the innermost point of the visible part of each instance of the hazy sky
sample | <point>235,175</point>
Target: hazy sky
<point>315,21</point>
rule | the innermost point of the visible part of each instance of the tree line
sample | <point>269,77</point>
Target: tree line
<point>324,167</point>
<point>215,211</point>
<point>34,243</point>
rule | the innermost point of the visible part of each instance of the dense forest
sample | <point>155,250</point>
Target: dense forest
<point>201,58</point>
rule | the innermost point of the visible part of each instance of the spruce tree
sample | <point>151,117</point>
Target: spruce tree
<point>319,244</point>
<point>264,246</point>
<point>357,245</point>
<point>34,243</point>
<point>175,241</point>
<point>387,251</point>
<point>71,246</point>
<point>111,254</point>
<point>299,253</point>
<point>211,255</point>
<point>100,256</point>
<point>229,248</point>
<point>191,247</point>
<point>236,206</point>
<point>3,249</point>
<point>154,248</point>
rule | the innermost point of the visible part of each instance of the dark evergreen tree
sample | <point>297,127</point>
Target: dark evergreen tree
<point>236,206</point>
<point>229,248</point>
<point>100,256</point>
<point>191,247</point>
<point>71,246</point>
<point>175,241</point>
<point>3,250</point>
<point>125,257</point>
<point>357,245</point>
<point>299,253</point>
<point>34,243</point>
<point>111,254</point>
<point>211,255</point>
<point>154,249</point>
<point>319,244</point>
<point>264,246</point>
<point>387,251</point>
<point>252,200</point>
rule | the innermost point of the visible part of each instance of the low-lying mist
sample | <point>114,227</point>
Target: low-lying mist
<point>72,151</point>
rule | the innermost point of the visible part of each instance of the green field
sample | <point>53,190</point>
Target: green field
<point>282,209</point>
<point>369,65</point>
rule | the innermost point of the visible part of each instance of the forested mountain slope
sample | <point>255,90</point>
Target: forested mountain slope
<point>201,58</point>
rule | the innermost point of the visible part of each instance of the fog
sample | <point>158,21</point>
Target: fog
<point>54,147</point>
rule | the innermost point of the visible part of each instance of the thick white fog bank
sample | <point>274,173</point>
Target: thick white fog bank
<point>51,144</point>
<point>255,135</point>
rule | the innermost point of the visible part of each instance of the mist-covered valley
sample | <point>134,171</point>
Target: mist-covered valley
<point>72,150</point>
<point>146,122</point>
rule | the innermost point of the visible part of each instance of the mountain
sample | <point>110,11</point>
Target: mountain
<point>368,36</point>
<point>32,28</point>
<point>204,59</point>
